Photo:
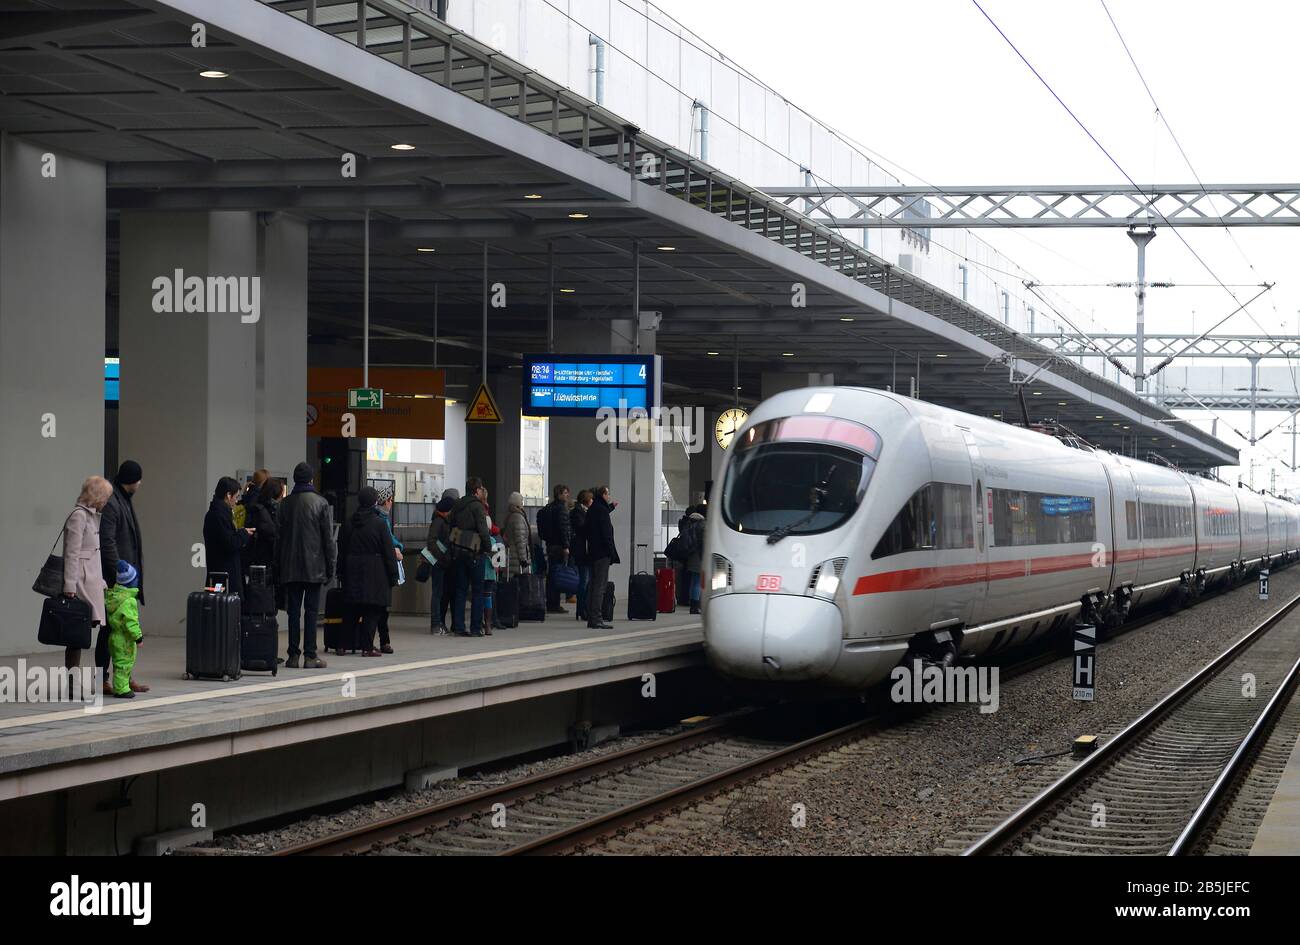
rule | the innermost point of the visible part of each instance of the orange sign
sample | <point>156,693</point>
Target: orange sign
<point>483,409</point>
<point>414,408</point>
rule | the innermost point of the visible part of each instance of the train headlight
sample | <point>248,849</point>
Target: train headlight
<point>722,579</point>
<point>825,580</point>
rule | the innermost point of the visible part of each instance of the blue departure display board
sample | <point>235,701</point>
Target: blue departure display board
<point>578,385</point>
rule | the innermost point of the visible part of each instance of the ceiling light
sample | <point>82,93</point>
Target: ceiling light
<point>532,196</point>
<point>1126,427</point>
<point>1100,417</point>
<point>666,249</point>
<point>711,353</point>
<point>567,291</point>
<point>402,147</point>
<point>941,356</point>
<point>214,74</point>
<point>577,215</point>
<point>1061,403</point>
<point>787,354</point>
<point>425,249</point>
<point>1038,393</point>
<point>847,318</point>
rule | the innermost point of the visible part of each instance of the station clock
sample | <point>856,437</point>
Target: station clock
<point>728,423</point>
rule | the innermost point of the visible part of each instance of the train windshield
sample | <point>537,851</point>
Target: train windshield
<point>789,477</point>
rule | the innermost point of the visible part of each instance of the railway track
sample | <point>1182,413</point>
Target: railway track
<point>1160,785</point>
<point>578,804</point>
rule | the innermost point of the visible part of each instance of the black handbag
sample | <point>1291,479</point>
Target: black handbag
<point>49,583</point>
<point>65,621</point>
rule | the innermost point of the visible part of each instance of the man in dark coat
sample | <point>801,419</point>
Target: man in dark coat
<point>556,529</point>
<point>578,550</point>
<point>369,566</point>
<point>304,559</point>
<point>470,516</point>
<point>601,553</point>
<point>119,531</point>
<point>222,541</point>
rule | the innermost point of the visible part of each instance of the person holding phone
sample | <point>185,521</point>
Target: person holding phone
<point>222,541</point>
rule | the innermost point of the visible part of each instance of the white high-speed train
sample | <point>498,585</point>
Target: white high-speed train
<point>856,528</point>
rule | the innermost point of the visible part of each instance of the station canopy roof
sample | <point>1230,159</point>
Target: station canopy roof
<point>497,155</point>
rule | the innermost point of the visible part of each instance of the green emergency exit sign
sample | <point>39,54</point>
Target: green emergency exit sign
<point>366,398</point>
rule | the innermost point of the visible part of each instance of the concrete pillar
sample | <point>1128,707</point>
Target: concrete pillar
<point>454,451</point>
<point>492,449</point>
<point>706,465</point>
<point>190,409</point>
<point>51,360</point>
<point>280,425</point>
<point>577,459</point>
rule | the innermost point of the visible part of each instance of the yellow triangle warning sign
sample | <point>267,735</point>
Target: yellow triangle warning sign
<point>483,409</point>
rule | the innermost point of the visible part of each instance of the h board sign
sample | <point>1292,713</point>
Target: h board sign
<point>1085,663</point>
<point>1263,584</point>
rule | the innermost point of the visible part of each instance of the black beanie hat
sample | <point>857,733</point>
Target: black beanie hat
<point>303,473</point>
<point>129,473</point>
<point>367,496</point>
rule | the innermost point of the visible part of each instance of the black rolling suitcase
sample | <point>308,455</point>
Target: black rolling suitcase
<point>531,590</point>
<point>607,603</point>
<point>259,595</point>
<point>507,604</point>
<point>642,596</point>
<point>259,643</point>
<point>338,625</point>
<point>212,632</point>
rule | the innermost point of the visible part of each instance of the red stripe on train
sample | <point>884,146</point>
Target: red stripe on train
<point>949,575</point>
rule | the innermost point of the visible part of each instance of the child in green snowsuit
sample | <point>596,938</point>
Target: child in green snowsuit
<point>123,627</point>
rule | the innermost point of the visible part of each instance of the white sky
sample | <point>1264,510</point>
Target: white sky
<point>931,86</point>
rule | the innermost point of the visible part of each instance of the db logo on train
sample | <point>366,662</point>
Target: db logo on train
<point>769,582</point>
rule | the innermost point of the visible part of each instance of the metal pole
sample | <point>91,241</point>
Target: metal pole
<point>485,308</point>
<point>636,344</point>
<point>1254,389</point>
<point>735,371</point>
<point>550,297</point>
<point>1141,238</point>
<point>435,326</point>
<point>1293,442</point>
<point>365,301</point>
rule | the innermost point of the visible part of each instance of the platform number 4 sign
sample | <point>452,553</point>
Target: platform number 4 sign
<point>1085,663</point>
<point>1263,584</point>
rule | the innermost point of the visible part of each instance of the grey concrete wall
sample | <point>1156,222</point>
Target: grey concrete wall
<point>492,450</point>
<point>188,395</point>
<point>51,362</point>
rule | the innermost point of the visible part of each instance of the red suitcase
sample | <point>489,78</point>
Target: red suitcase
<point>666,590</point>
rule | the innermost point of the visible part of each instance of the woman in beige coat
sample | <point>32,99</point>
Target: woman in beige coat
<point>518,537</point>
<point>83,576</point>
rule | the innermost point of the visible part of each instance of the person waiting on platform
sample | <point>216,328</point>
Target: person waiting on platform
<point>517,534</point>
<point>695,560</point>
<point>222,541</point>
<point>602,552</point>
<point>304,557</point>
<point>578,551</point>
<point>386,510</point>
<point>438,545</point>
<point>123,627</point>
<point>369,567</point>
<point>555,528</point>
<point>82,578</point>
<point>471,537</point>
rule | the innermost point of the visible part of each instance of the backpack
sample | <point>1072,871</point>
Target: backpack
<point>684,545</point>
<point>546,522</point>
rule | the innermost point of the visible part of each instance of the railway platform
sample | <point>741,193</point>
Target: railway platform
<point>1279,832</point>
<point>258,746</point>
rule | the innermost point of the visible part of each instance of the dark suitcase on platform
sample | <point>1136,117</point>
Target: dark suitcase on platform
<point>506,609</point>
<point>259,643</point>
<point>683,590</point>
<point>338,625</point>
<point>641,597</point>
<point>531,591</point>
<point>607,603</point>
<point>259,599</point>
<point>212,633</point>
<point>666,590</point>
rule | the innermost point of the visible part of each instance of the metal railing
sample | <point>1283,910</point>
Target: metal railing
<point>431,48</point>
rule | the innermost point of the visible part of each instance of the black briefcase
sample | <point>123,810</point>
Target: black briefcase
<point>65,621</point>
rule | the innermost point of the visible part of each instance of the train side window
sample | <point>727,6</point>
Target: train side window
<point>938,515</point>
<point>1131,519</point>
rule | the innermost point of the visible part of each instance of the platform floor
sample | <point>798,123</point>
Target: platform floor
<point>1279,833</point>
<point>49,746</point>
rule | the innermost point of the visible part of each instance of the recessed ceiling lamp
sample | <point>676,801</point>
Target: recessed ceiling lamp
<point>666,249</point>
<point>941,355</point>
<point>1038,393</point>
<point>1100,417</point>
<point>787,354</point>
<point>577,215</point>
<point>425,249</point>
<point>568,291</point>
<point>214,74</point>
<point>711,353</point>
<point>402,147</point>
<point>532,196</point>
<point>847,318</point>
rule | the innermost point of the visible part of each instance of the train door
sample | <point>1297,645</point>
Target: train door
<point>983,513</point>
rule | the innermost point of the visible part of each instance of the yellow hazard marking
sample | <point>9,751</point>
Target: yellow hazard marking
<point>483,409</point>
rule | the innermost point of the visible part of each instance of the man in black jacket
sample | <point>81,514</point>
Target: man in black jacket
<point>304,559</point>
<point>119,531</point>
<point>578,550</point>
<point>557,531</point>
<point>601,553</point>
<point>470,517</point>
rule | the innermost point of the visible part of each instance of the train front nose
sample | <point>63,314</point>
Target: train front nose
<point>773,636</point>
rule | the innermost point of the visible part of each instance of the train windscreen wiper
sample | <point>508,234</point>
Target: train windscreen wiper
<point>818,494</point>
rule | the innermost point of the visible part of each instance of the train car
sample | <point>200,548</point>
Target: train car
<point>855,528</point>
